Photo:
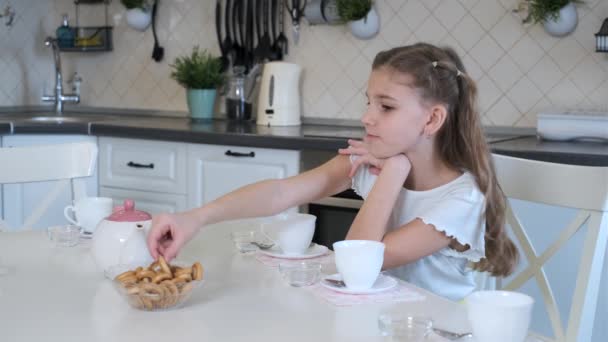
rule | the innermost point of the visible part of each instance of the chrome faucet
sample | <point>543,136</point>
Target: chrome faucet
<point>59,98</point>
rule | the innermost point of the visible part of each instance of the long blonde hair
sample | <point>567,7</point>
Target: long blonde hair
<point>440,77</point>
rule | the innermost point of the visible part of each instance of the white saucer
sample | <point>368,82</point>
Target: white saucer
<point>312,251</point>
<point>383,283</point>
<point>529,338</point>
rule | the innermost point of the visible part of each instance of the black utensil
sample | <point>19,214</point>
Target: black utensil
<point>237,38</point>
<point>218,32</point>
<point>281,43</point>
<point>228,40</point>
<point>158,52</point>
<point>275,53</point>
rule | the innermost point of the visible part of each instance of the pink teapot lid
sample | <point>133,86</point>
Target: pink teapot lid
<point>127,213</point>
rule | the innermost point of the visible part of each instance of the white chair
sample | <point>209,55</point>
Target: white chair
<point>584,189</point>
<point>65,163</point>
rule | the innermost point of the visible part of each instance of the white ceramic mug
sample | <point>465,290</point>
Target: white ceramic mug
<point>87,212</point>
<point>292,232</point>
<point>499,316</point>
<point>359,262</point>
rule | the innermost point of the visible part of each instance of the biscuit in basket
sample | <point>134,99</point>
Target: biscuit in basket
<point>160,285</point>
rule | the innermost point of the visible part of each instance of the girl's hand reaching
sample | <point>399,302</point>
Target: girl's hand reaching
<point>169,233</point>
<point>358,148</point>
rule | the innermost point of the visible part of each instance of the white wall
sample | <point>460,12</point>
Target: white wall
<point>520,70</point>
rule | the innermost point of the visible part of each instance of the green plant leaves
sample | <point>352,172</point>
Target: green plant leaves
<point>350,10</point>
<point>200,70</point>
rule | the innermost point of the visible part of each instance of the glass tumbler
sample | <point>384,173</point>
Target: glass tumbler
<point>243,241</point>
<point>405,327</point>
<point>64,235</point>
<point>300,273</point>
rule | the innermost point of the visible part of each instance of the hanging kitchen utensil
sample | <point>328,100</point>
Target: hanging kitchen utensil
<point>262,51</point>
<point>275,53</point>
<point>228,42</point>
<point>296,11</point>
<point>158,51</point>
<point>235,32</point>
<point>281,43</point>
<point>218,32</point>
<point>250,34</point>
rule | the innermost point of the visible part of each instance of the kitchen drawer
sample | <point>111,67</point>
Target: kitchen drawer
<point>155,166</point>
<point>214,170</point>
<point>151,202</point>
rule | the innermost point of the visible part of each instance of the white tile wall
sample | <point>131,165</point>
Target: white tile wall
<point>520,70</point>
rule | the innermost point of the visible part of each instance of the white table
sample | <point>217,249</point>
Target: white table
<point>58,294</point>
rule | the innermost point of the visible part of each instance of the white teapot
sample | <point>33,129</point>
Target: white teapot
<point>121,238</point>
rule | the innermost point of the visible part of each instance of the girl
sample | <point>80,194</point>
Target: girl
<point>423,168</point>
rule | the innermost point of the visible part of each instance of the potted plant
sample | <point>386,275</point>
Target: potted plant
<point>139,13</point>
<point>559,17</point>
<point>200,73</point>
<point>361,16</point>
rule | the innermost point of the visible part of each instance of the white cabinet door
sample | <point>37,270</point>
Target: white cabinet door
<point>215,170</point>
<point>145,165</point>
<point>151,202</point>
<point>20,199</point>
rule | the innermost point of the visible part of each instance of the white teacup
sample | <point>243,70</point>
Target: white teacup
<point>88,212</point>
<point>359,262</point>
<point>499,316</point>
<point>292,232</point>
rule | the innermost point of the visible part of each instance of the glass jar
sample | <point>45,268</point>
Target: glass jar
<point>237,107</point>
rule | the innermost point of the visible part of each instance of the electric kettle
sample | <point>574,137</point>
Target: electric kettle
<point>279,96</point>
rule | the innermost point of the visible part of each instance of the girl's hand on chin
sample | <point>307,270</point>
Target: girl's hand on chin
<point>399,162</point>
<point>358,148</point>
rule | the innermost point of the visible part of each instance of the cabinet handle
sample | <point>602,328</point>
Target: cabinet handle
<point>239,154</point>
<point>140,166</point>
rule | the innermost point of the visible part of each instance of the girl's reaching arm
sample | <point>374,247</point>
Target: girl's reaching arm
<point>170,232</point>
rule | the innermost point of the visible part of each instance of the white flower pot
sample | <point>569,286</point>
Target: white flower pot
<point>366,27</point>
<point>139,19</point>
<point>565,23</point>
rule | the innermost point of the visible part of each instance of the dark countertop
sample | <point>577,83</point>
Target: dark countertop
<point>309,136</point>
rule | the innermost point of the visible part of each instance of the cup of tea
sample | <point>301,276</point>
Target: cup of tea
<point>359,262</point>
<point>87,212</point>
<point>499,316</point>
<point>292,232</point>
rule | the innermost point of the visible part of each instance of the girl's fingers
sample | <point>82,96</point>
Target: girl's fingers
<point>356,164</point>
<point>356,143</point>
<point>374,170</point>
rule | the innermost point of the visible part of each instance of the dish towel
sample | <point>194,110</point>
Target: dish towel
<point>400,293</point>
<point>274,262</point>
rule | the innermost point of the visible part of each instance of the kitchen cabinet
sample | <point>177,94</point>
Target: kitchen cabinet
<point>153,173</point>
<point>169,176</point>
<point>214,170</point>
<point>20,199</point>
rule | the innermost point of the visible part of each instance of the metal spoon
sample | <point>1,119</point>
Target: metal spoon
<point>450,335</point>
<point>262,245</point>
<point>334,282</point>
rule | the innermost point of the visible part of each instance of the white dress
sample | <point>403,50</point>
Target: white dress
<point>457,209</point>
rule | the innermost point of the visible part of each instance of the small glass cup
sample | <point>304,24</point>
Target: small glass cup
<point>301,273</point>
<point>404,326</point>
<point>65,235</point>
<point>243,241</point>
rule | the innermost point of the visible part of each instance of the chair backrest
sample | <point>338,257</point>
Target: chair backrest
<point>583,191</point>
<point>65,163</point>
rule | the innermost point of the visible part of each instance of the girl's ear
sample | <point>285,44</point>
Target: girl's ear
<point>437,116</point>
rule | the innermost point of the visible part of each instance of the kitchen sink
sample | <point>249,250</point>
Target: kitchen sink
<point>57,119</point>
<point>53,119</point>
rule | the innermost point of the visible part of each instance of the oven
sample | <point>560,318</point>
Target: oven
<point>335,215</point>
